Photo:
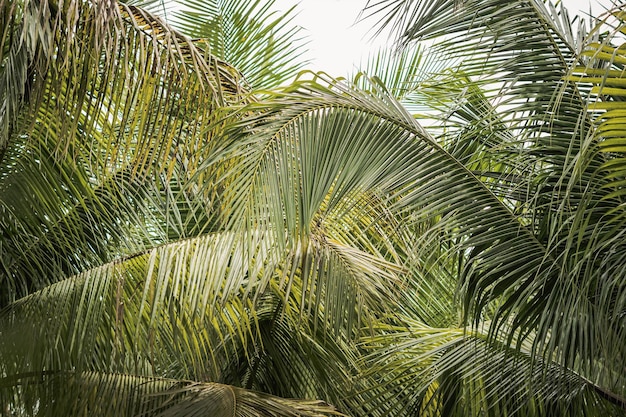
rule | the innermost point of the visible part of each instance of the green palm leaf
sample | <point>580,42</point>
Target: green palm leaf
<point>263,44</point>
<point>128,395</point>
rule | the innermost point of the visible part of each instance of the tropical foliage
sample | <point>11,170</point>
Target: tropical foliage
<point>186,231</point>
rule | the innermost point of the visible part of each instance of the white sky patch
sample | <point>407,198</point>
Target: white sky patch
<point>338,43</point>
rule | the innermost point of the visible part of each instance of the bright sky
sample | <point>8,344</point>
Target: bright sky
<point>337,43</point>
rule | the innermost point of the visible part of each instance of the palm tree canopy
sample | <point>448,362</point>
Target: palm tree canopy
<point>184,232</point>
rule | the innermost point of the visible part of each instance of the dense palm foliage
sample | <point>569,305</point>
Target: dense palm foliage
<point>184,232</point>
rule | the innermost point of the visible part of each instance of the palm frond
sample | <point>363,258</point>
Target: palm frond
<point>536,117</point>
<point>263,44</point>
<point>400,71</point>
<point>464,373</point>
<point>365,142</point>
<point>168,238</point>
<point>27,38</point>
<point>184,297</point>
<point>187,310</point>
<point>129,395</point>
<point>97,162</point>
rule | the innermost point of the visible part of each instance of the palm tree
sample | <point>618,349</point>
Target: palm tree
<point>429,240</point>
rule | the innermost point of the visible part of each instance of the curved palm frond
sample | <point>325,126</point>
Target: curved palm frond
<point>365,143</point>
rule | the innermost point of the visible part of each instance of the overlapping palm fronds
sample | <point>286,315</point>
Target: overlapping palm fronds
<point>527,135</point>
<point>176,245</point>
<point>109,230</point>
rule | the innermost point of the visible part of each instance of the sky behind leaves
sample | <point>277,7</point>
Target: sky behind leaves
<point>338,41</point>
